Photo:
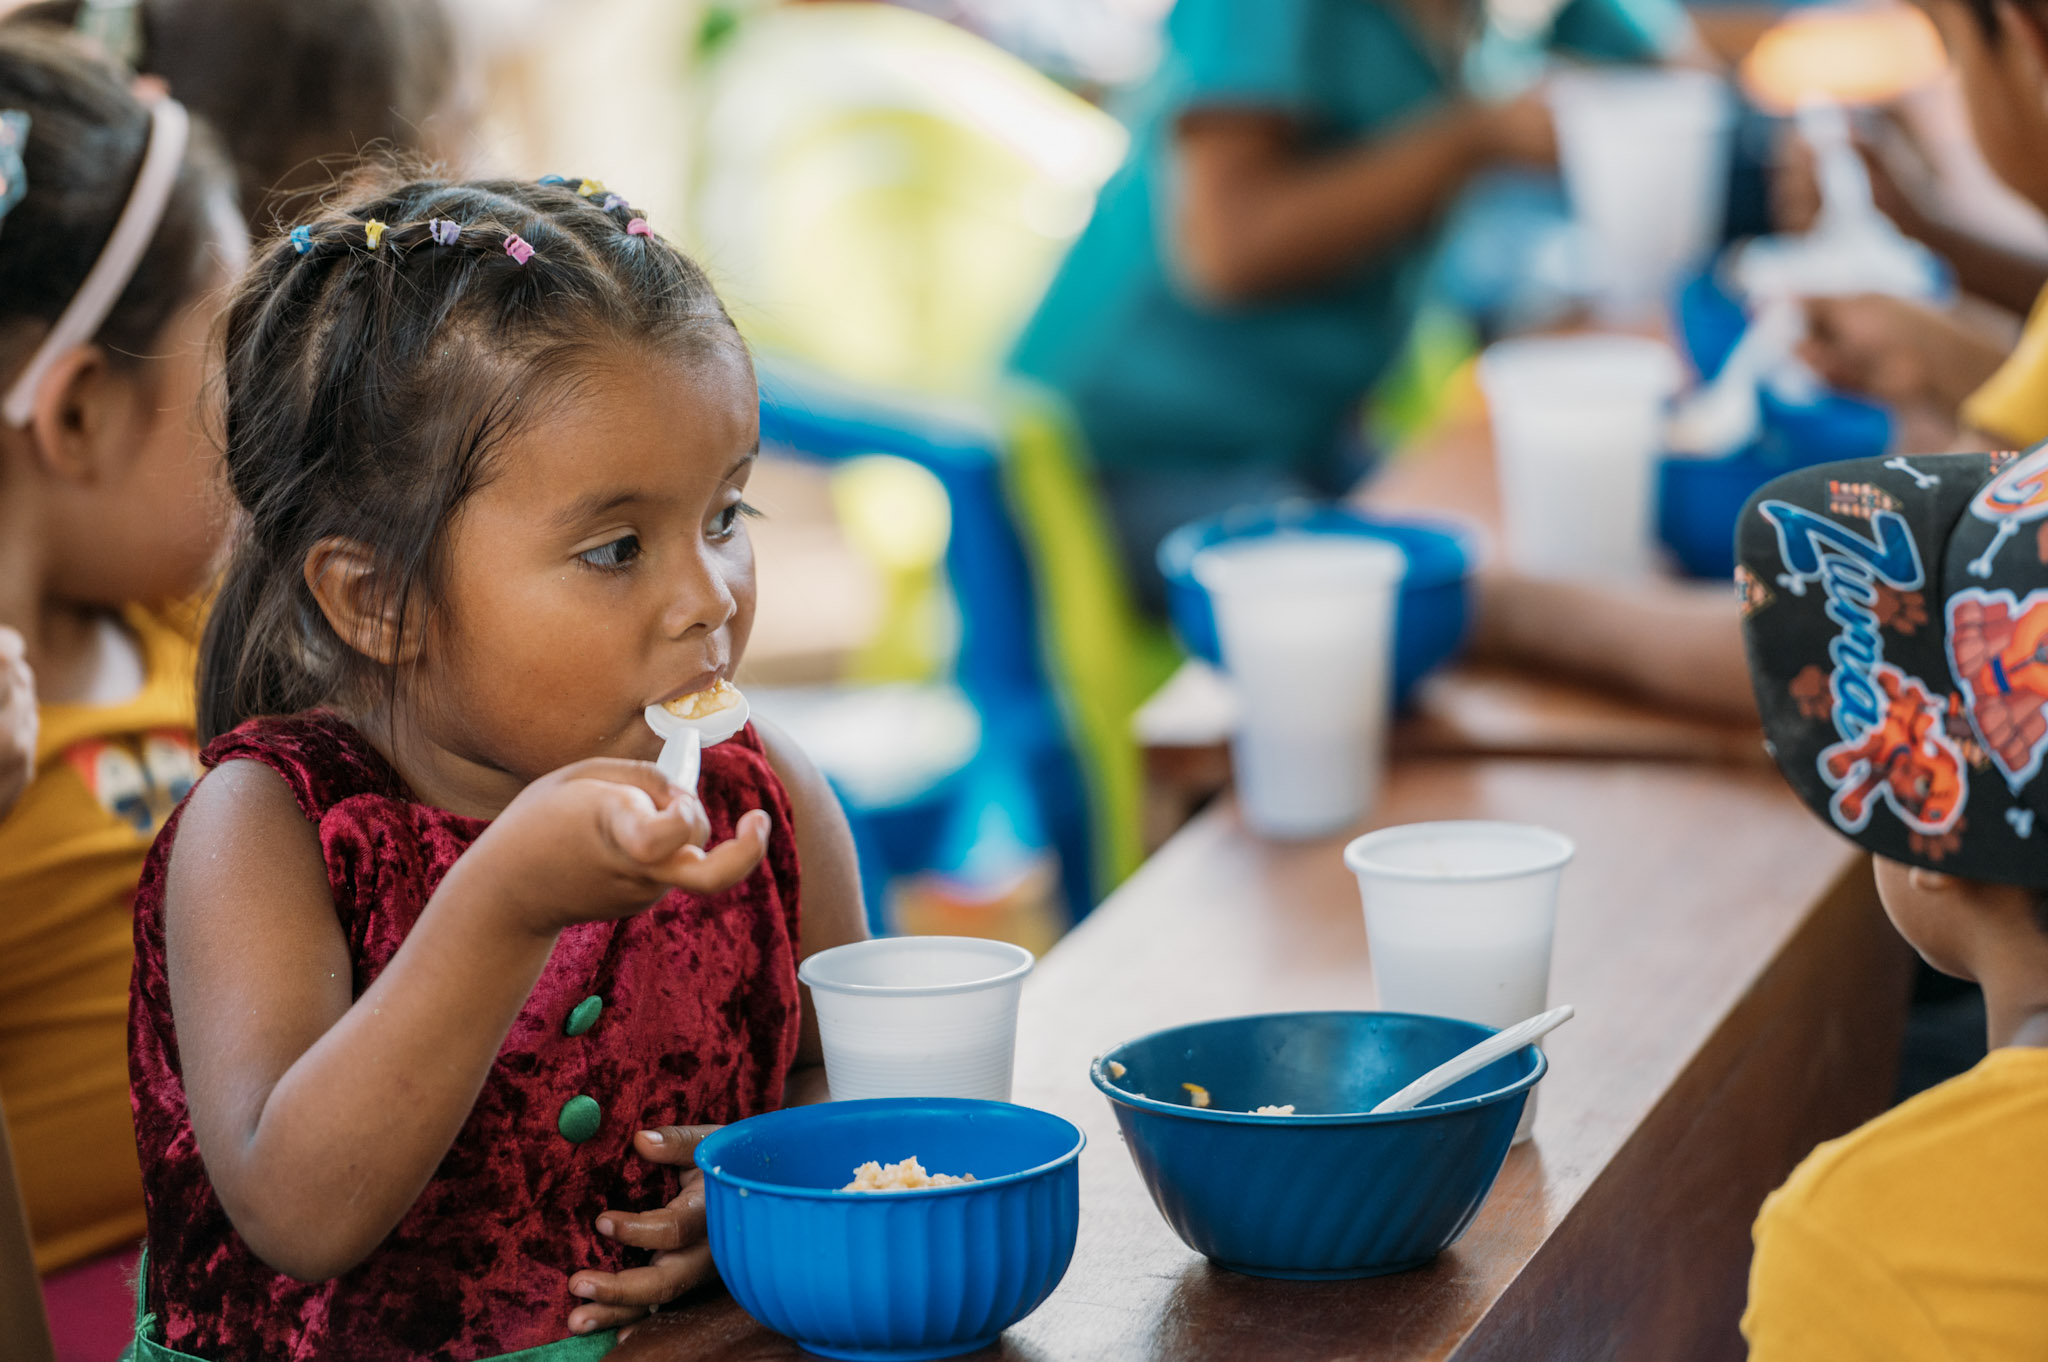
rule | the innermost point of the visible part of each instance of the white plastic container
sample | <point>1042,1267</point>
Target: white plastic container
<point>1306,623</point>
<point>1459,918</point>
<point>1645,155</point>
<point>918,1016</point>
<point>1578,425</point>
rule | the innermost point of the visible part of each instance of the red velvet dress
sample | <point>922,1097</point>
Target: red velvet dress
<point>696,1022</point>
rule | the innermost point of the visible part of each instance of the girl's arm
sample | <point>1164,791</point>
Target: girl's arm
<point>675,1234</point>
<point>1260,217</point>
<point>833,913</point>
<point>321,1116</point>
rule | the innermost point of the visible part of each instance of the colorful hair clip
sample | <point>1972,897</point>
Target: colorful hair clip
<point>373,232</point>
<point>590,187</point>
<point>639,227</point>
<point>443,231</point>
<point>516,247</point>
<point>554,179</point>
<point>612,201</point>
<point>301,239</point>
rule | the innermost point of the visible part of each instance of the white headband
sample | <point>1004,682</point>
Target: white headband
<point>169,128</point>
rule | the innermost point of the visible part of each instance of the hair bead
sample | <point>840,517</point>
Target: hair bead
<point>301,238</point>
<point>639,227</point>
<point>516,246</point>
<point>590,187</point>
<point>373,232</point>
<point>553,179</point>
<point>444,232</point>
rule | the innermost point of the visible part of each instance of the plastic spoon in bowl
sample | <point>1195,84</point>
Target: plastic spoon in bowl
<point>685,739</point>
<point>1497,1046</point>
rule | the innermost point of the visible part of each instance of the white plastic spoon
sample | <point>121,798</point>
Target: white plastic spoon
<point>1497,1046</point>
<point>684,740</point>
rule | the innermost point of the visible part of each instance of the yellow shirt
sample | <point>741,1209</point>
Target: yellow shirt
<point>2012,406</point>
<point>1921,1235</point>
<point>70,854</point>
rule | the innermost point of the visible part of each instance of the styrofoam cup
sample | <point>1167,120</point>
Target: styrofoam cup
<point>918,1016</point>
<point>1459,918</point>
<point>1578,426</point>
<point>1306,622</point>
<point>1645,157</point>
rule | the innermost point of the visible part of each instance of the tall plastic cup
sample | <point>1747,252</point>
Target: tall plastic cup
<point>1578,426</point>
<point>1307,627</point>
<point>918,1016</point>
<point>1645,156</point>
<point>1459,918</point>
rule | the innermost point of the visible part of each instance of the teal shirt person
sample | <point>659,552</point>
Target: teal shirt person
<point>1236,399</point>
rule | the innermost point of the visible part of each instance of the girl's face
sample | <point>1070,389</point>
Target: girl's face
<point>602,567</point>
<point>162,504</point>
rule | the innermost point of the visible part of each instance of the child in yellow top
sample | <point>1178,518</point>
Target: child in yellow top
<point>1896,617</point>
<point>108,496</point>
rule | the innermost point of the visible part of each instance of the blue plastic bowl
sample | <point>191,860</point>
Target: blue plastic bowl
<point>897,1274</point>
<point>1330,1192</point>
<point>1434,608</point>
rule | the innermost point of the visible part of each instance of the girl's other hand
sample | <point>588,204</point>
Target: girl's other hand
<point>675,1234</point>
<point>17,720</point>
<point>603,839</point>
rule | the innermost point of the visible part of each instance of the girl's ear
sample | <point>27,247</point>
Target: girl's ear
<point>1929,881</point>
<point>351,593</point>
<point>72,424</point>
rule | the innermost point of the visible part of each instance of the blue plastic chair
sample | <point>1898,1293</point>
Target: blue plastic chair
<point>1026,745</point>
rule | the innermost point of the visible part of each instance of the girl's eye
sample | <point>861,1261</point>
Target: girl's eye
<point>728,519</point>
<point>614,555</point>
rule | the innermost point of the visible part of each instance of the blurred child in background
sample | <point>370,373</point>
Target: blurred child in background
<point>108,513</point>
<point>294,88</point>
<point>1257,263</point>
<point>1912,354</point>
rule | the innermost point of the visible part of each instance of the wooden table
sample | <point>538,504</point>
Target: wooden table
<point>1740,998</point>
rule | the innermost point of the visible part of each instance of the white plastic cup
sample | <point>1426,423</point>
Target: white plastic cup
<point>1578,426</point>
<point>1645,158</point>
<point>1306,623</point>
<point>1459,918</point>
<point>918,1016</point>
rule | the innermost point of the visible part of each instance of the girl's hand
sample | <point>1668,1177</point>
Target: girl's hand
<point>604,839</point>
<point>675,1233</point>
<point>17,720</point>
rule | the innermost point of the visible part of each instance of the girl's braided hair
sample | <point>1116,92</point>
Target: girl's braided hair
<point>374,360</point>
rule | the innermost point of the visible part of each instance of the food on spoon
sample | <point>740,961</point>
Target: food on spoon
<point>1116,1070</point>
<point>1287,1110</point>
<point>907,1176</point>
<point>1197,1094</point>
<point>721,695</point>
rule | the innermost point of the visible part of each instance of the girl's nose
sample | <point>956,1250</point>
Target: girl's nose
<point>703,601</point>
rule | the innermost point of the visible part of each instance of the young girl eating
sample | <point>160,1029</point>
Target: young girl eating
<point>433,939</point>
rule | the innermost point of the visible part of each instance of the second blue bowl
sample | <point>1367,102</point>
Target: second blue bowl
<point>893,1275</point>
<point>1430,618</point>
<point>1332,1191</point>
